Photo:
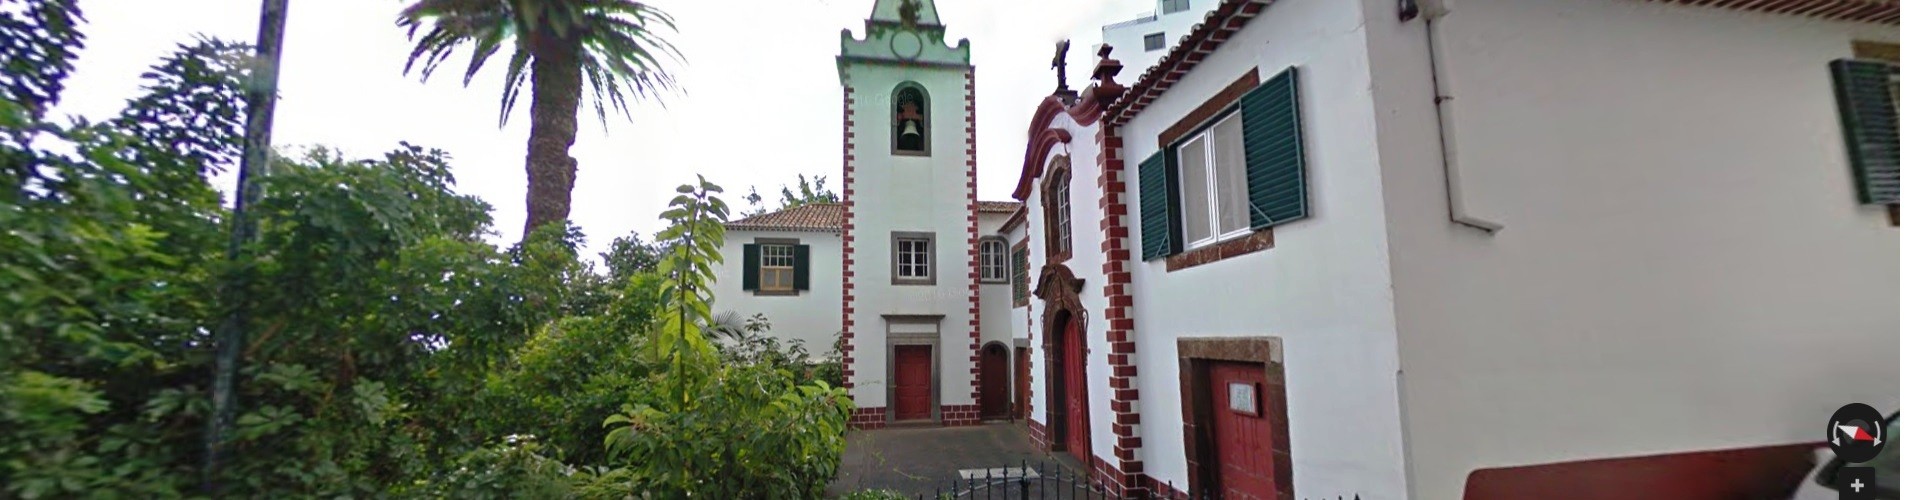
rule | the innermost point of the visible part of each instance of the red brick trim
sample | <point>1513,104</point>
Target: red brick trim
<point>952,415</point>
<point>973,259</point>
<point>1117,264</point>
<point>868,418</point>
<point>846,246</point>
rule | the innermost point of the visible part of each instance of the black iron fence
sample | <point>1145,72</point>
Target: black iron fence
<point>1045,480</point>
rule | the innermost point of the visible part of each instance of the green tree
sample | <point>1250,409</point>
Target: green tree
<point>801,193</point>
<point>560,48</point>
<point>630,255</point>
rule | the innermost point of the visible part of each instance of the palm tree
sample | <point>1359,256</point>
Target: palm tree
<point>559,46</point>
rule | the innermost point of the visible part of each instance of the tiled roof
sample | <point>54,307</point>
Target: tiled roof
<point>1232,15</point>
<point>1870,11</point>
<point>1000,207</point>
<point>809,217</point>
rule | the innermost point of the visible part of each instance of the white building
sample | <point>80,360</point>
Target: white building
<point>1624,248</point>
<point>1138,43</point>
<point>909,274</point>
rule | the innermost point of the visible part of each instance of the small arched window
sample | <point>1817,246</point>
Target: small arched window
<point>910,120</point>
<point>993,260</point>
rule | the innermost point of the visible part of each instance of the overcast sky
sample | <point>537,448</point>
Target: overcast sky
<point>761,67</point>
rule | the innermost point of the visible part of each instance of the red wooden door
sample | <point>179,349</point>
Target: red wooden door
<point>1243,439</point>
<point>1022,382</point>
<point>1075,351</point>
<point>912,382</point>
<point>993,381</point>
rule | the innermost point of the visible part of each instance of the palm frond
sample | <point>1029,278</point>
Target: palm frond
<point>619,44</point>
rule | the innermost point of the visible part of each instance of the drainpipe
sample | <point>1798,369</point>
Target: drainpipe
<point>1433,11</point>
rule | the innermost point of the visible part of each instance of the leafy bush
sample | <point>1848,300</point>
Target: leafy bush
<point>751,433</point>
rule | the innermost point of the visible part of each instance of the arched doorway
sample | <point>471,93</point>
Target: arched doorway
<point>994,403</point>
<point>1066,356</point>
<point>1069,395</point>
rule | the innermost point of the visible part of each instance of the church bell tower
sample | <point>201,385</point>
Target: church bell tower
<point>911,310</point>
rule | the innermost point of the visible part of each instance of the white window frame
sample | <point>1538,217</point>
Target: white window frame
<point>1146,42</point>
<point>1167,6</point>
<point>1213,191</point>
<point>1063,214</point>
<point>903,267</point>
<point>993,260</point>
<point>771,257</point>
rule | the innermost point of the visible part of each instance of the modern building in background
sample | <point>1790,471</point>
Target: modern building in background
<point>1140,42</point>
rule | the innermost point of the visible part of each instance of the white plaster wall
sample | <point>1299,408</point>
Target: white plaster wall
<point>811,315</point>
<point>1323,288</point>
<point>1682,244</point>
<point>1084,207</point>
<point>1128,38</point>
<point>909,193</point>
<point>996,301</point>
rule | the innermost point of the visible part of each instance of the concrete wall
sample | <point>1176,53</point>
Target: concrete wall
<point>1128,38</point>
<point>1683,266</point>
<point>808,315</point>
<point>1323,288</point>
<point>909,193</point>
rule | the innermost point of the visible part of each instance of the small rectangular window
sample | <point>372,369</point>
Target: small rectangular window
<point>1156,41</point>
<point>913,258</point>
<point>1213,184</point>
<point>776,268</point>
<point>1172,6</point>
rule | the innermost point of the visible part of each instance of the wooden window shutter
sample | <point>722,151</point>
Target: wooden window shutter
<point>1176,241</point>
<point>1865,91</point>
<point>750,273</point>
<point>1276,158</point>
<point>1155,240</point>
<point>802,267</point>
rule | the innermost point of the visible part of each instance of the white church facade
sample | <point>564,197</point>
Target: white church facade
<point>906,282</point>
<point>1480,249</point>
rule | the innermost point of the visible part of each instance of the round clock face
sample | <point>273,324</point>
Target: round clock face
<point>906,44</point>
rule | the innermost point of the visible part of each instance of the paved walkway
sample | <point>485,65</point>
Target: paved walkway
<point>920,460</point>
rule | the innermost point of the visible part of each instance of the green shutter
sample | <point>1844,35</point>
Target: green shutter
<point>1176,239</point>
<point>1276,159</point>
<point>1153,208</point>
<point>1865,92</point>
<point>750,272</point>
<point>1017,272</point>
<point>802,272</point>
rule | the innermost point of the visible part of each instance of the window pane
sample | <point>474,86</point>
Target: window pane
<point>1230,174</point>
<point>1196,213</point>
<point>1155,41</point>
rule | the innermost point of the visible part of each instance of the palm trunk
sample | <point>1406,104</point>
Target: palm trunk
<point>556,120</point>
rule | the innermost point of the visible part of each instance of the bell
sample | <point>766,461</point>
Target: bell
<point>909,128</point>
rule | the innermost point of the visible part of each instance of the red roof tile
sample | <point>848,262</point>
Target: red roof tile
<point>1000,207</point>
<point>810,217</point>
